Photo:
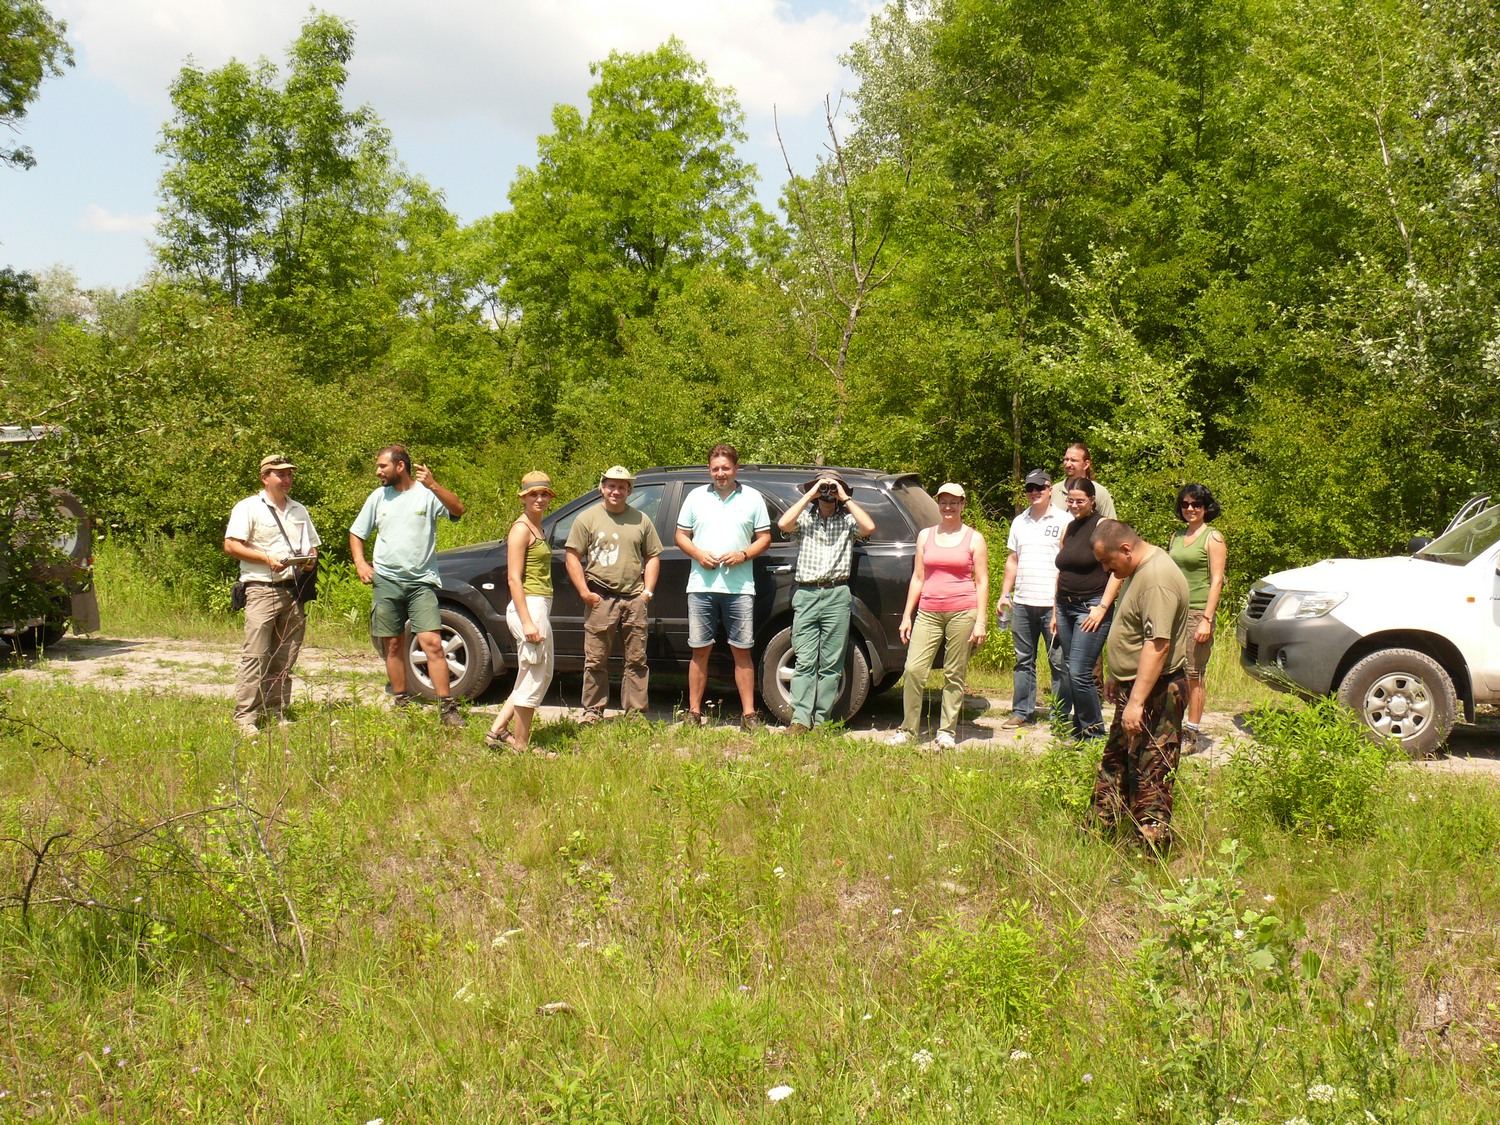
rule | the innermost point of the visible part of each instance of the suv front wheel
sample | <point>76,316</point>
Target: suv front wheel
<point>467,653</point>
<point>778,661</point>
<point>1403,694</point>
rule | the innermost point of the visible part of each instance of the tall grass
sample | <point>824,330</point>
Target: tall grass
<point>360,916</point>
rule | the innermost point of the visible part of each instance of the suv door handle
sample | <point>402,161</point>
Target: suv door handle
<point>780,569</point>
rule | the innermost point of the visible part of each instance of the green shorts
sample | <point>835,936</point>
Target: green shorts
<point>396,603</point>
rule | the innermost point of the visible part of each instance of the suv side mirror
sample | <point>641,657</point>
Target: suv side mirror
<point>1417,543</point>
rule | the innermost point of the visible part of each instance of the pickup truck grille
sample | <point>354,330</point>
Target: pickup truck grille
<point>1258,602</point>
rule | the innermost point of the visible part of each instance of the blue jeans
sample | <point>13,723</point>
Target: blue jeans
<point>1029,631</point>
<point>1080,652</point>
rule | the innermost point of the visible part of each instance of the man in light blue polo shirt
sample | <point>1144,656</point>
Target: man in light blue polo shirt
<point>405,510</point>
<point>721,527</point>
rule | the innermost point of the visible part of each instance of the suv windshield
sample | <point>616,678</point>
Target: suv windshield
<point>1465,542</point>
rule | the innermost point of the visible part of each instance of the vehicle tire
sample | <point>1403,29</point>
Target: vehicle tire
<point>1403,694</point>
<point>469,667</point>
<point>885,685</point>
<point>777,662</point>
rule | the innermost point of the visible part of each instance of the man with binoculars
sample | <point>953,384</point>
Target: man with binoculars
<point>826,521</point>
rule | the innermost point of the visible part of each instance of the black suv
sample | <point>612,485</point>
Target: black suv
<point>474,592</point>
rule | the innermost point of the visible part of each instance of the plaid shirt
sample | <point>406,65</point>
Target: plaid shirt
<point>826,545</point>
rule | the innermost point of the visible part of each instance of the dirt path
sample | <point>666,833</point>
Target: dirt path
<point>161,664</point>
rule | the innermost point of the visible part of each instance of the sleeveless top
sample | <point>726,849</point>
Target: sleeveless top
<point>1192,560</point>
<point>536,579</point>
<point>948,582</point>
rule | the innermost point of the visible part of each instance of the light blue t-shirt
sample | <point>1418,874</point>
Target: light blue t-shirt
<point>721,526</point>
<point>407,522</point>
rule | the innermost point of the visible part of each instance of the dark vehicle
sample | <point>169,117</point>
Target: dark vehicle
<point>70,578</point>
<point>474,593</point>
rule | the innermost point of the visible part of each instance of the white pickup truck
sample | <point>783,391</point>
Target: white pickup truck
<point>1403,641</point>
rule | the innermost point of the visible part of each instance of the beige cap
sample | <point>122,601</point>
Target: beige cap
<point>536,482</point>
<point>275,461</point>
<point>618,472</point>
<point>950,489</point>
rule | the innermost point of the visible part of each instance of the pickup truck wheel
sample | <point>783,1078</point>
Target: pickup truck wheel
<point>1403,694</point>
<point>778,661</point>
<point>467,652</point>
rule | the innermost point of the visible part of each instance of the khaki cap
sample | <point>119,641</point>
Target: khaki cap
<point>950,489</point>
<point>618,472</point>
<point>275,461</point>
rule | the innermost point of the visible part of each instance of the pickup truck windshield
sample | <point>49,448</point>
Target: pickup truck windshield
<point>1466,542</point>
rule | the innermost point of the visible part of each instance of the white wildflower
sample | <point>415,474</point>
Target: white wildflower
<point>376,1121</point>
<point>922,1059</point>
<point>465,994</point>
<point>1019,1055</point>
<point>1087,1078</point>
<point>896,911</point>
<point>1321,1092</point>
<point>1268,899</point>
<point>866,1016</point>
<point>779,1093</point>
<point>1298,1120</point>
<point>107,1049</point>
<point>1239,935</point>
<point>779,871</point>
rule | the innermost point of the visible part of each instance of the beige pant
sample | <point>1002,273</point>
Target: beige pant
<point>274,626</point>
<point>533,659</point>
<point>951,632</point>
<point>628,617</point>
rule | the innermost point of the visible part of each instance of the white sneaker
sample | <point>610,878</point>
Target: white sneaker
<point>944,741</point>
<point>900,738</point>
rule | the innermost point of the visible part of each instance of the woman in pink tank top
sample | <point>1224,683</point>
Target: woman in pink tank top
<point>945,605</point>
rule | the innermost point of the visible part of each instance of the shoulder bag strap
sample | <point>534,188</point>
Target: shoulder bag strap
<point>279,526</point>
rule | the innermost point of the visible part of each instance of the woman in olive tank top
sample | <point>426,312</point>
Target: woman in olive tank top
<point>1199,552</point>
<point>528,573</point>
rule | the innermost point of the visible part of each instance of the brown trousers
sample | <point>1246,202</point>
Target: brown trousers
<point>274,626</point>
<point>628,618</point>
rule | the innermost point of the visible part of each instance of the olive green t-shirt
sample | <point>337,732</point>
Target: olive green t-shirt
<point>1153,603</point>
<point>614,548</point>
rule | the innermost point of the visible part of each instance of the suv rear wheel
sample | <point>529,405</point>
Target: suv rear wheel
<point>778,661</point>
<point>1403,694</point>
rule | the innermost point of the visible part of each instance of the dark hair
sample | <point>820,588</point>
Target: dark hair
<point>1114,534</point>
<point>398,455</point>
<point>1200,493</point>
<point>1084,485</point>
<point>724,449</point>
<point>1082,448</point>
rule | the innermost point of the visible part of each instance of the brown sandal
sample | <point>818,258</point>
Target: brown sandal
<point>502,741</point>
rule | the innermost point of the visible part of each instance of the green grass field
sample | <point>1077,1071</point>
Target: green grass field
<point>359,918</point>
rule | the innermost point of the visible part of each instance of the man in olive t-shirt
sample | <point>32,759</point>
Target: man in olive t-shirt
<point>1147,654</point>
<point>614,555</point>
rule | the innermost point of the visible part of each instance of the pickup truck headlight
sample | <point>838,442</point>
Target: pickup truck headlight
<point>1316,604</point>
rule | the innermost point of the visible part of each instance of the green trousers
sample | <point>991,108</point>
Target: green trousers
<point>928,631</point>
<point>820,634</point>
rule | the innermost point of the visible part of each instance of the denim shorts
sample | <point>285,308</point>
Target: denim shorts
<point>708,613</point>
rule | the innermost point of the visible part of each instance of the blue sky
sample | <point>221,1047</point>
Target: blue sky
<point>465,87</point>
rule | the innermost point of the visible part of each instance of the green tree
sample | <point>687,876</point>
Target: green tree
<point>31,47</point>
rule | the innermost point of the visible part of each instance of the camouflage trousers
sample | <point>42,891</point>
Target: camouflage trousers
<point>1137,772</point>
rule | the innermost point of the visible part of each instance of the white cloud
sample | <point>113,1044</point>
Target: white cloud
<point>506,63</point>
<point>101,221</point>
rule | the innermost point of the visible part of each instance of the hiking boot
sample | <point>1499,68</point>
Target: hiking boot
<point>1191,742</point>
<point>247,728</point>
<point>590,717</point>
<point>1156,838</point>
<point>944,741</point>
<point>798,728</point>
<point>449,714</point>
<point>750,722</point>
<point>402,700</point>
<point>1014,720</point>
<point>692,718</point>
<point>900,738</point>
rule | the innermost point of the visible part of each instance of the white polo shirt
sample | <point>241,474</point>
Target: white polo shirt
<point>1035,540</point>
<point>251,522</point>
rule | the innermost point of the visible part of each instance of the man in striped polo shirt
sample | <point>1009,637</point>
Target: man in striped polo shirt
<point>1031,575</point>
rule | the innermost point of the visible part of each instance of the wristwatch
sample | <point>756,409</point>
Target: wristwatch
<point>648,594</point>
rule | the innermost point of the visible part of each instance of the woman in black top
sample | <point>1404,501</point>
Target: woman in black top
<point>1085,599</point>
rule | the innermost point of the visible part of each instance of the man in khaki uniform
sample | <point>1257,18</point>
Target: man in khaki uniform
<point>613,559</point>
<point>268,533</point>
<point>1147,655</point>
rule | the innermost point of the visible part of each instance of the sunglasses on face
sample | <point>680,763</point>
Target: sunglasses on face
<point>1036,488</point>
<point>1192,504</point>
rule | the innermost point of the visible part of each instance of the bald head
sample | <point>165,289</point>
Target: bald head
<point>1119,548</point>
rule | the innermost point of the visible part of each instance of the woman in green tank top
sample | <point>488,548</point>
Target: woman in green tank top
<point>528,570</point>
<point>1199,552</point>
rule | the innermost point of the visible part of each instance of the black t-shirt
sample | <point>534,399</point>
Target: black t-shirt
<point>1079,575</point>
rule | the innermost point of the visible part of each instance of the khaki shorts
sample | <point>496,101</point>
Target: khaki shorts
<point>1197,654</point>
<point>396,603</point>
